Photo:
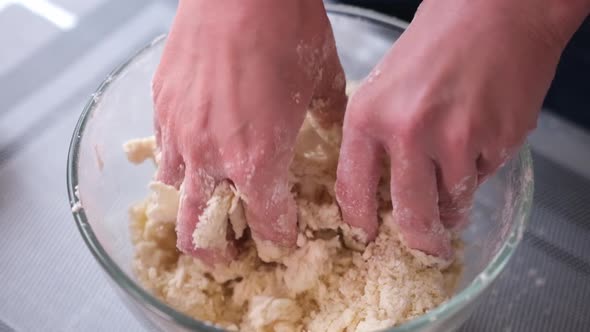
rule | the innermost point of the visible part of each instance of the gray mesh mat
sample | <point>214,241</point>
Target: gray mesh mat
<point>546,286</point>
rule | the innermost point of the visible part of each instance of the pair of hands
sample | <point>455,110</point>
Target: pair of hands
<point>448,104</point>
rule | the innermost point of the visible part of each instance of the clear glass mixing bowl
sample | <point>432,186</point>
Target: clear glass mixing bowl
<point>108,184</point>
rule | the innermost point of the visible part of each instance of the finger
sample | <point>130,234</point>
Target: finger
<point>271,213</point>
<point>269,205</point>
<point>171,166</point>
<point>414,198</point>
<point>457,182</point>
<point>356,183</point>
<point>196,190</point>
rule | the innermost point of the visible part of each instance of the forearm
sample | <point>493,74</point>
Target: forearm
<point>549,23</point>
<point>229,10</point>
<point>565,17</point>
<point>554,20</point>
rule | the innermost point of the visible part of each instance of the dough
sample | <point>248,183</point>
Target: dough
<point>323,285</point>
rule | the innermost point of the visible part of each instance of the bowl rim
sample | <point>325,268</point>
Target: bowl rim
<point>150,302</point>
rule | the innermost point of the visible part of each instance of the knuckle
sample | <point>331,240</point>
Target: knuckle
<point>408,127</point>
<point>258,171</point>
<point>419,111</point>
<point>457,139</point>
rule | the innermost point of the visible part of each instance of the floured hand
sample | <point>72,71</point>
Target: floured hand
<point>230,96</point>
<point>450,103</point>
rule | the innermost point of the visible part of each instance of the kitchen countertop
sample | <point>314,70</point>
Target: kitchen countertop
<point>50,280</point>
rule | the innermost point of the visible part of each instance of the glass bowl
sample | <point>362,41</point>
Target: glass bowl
<point>101,178</point>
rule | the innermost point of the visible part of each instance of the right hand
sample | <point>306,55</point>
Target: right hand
<point>449,103</point>
<point>230,94</point>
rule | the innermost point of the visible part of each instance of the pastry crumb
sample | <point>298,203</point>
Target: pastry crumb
<point>329,282</point>
<point>140,149</point>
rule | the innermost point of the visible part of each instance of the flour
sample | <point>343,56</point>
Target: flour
<point>321,285</point>
<point>211,230</point>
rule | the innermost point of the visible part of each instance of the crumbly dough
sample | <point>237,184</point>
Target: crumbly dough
<point>323,285</point>
<point>140,149</point>
<point>212,227</point>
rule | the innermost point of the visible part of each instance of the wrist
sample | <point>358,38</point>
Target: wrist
<point>246,12</point>
<point>223,20</point>
<point>228,11</point>
<point>198,20</point>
